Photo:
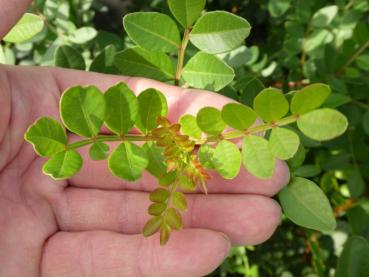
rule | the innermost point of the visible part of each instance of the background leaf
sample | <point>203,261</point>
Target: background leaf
<point>306,205</point>
<point>322,124</point>
<point>186,11</point>
<point>219,31</point>
<point>152,31</point>
<point>82,110</point>
<point>83,35</point>
<point>270,104</point>
<point>139,62</point>
<point>227,159</point>
<point>128,161</point>
<point>257,158</point>
<point>68,57</point>
<point>152,104</point>
<point>238,116</point>
<point>47,136</point>
<point>122,108</point>
<point>210,121</point>
<point>283,143</point>
<point>63,165</point>
<point>208,72</point>
<point>26,28</point>
<point>104,61</point>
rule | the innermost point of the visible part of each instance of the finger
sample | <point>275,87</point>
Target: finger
<point>95,174</point>
<point>180,101</point>
<point>99,253</point>
<point>246,219</point>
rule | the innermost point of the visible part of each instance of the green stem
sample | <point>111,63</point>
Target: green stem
<point>181,53</point>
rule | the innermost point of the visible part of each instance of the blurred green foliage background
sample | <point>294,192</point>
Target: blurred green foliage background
<point>292,43</point>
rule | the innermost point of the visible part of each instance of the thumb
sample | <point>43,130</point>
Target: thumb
<point>10,13</point>
<point>190,252</point>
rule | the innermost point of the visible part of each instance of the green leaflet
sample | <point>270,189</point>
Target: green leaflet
<point>152,31</point>
<point>99,151</point>
<point>354,260</point>
<point>159,195</point>
<point>63,165</point>
<point>156,209</point>
<point>83,35</point>
<point>104,61</point>
<point>82,110</point>
<point>156,166</point>
<point>309,98</point>
<point>26,28</point>
<point>122,109</point>
<point>238,116</point>
<point>186,11</point>
<point>219,31</point>
<point>324,16</point>
<point>227,159</point>
<point>210,121</point>
<point>128,161</point>
<point>205,154</point>
<point>47,136</point>
<point>174,219</point>
<point>207,72</point>
<point>270,104</point>
<point>68,57</point>
<point>283,143</point>
<point>179,201</point>
<point>189,126</point>
<point>139,62</point>
<point>306,205</point>
<point>322,124</point>
<point>152,226</point>
<point>257,158</point>
<point>152,104</point>
<point>278,7</point>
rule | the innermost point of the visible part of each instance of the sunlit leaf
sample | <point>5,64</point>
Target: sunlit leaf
<point>309,98</point>
<point>186,11</point>
<point>210,121</point>
<point>82,110</point>
<point>189,126</point>
<point>152,31</point>
<point>324,16</point>
<point>122,108</point>
<point>283,143</point>
<point>83,35</point>
<point>47,136</point>
<point>270,104</point>
<point>152,104</point>
<point>219,31</point>
<point>139,62</point>
<point>306,205</point>
<point>26,28</point>
<point>207,72</point>
<point>63,165</point>
<point>227,159</point>
<point>128,161</point>
<point>205,154</point>
<point>322,124</point>
<point>238,116</point>
<point>257,158</point>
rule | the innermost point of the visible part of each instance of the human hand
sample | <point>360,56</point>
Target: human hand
<point>91,224</point>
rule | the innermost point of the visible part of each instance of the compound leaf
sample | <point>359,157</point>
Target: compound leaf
<point>306,205</point>
<point>238,116</point>
<point>152,104</point>
<point>63,165</point>
<point>47,136</point>
<point>219,31</point>
<point>210,121</point>
<point>283,143</point>
<point>128,161</point>
<point>227,159</point>
<point>322,124</point>
<point>189,126</point>
<point>122,108</point>
<point>309,98</point>
<point>207,72</point>
<point>152,31</point>
<point>270,104</point>
<point>26,28</point>
<point>257,158</point>
<point>82,110</point>
<point>139,62</point>
<point>186,11</point>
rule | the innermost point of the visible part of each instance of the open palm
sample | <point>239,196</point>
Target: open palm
<point>90,225</point>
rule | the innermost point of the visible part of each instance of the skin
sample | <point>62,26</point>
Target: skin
<point>90,225</point>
